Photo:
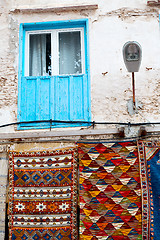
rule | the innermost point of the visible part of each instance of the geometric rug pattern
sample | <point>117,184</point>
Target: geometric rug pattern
<point>149,155</point>
<point>43,195</point>
<point>109,191</point>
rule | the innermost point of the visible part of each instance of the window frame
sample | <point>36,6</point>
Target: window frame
<point>47,26</point>
<point>54,49</point>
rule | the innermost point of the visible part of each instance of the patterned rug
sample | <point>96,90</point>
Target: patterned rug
<point>149,154</point>
<point>110,191</point>
<point>43,195</point>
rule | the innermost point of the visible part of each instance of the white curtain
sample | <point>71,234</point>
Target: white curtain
<point>37,61</point>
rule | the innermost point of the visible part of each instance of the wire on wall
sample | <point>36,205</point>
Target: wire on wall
<point>93,123</point>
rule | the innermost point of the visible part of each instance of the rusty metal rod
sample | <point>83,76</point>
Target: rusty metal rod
<point>133,87</point>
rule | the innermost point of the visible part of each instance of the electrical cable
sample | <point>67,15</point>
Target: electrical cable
<point>82,122</point>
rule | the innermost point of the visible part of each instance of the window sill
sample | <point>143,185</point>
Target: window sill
<point>54,134</point>
<point>56,9</point>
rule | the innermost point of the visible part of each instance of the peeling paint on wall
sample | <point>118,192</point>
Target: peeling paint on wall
<point>110,26</point>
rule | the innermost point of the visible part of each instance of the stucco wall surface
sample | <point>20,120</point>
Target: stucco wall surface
<point>106,4</point>
<point>110,26</point>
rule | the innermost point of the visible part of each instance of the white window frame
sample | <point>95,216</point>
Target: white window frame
<point>55,49</point>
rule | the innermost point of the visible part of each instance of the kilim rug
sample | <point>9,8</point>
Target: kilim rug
<point>43,195</point>
<point>109,191</point>
<point>149,154</point>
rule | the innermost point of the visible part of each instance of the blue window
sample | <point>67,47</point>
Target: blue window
<point>54,74</point>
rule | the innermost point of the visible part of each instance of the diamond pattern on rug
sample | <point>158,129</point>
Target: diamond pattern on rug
<point>109,191</point>
<point>43,195</point>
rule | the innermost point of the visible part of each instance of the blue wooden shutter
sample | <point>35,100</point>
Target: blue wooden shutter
<point>57,98</point>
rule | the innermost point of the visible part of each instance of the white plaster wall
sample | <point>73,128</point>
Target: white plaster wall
<point>111,92</point>
<point>108,5</point>
<point>105,4</point>
<point>110,26</point>
<point>48,3</point>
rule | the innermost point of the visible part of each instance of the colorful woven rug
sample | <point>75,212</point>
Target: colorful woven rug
<point>43,195</point>
<point>149,154</point>
<point>110,191</point>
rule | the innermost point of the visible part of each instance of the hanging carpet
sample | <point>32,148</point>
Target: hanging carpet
<point>149,155</point>
<point>43,195</point>
<point>109,191</point>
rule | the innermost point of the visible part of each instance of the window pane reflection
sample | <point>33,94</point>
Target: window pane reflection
<point>70,53</point>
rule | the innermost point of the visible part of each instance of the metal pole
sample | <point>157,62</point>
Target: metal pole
<point>133,87</point>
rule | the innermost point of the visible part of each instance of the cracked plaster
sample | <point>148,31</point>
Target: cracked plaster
<point>111,25</point>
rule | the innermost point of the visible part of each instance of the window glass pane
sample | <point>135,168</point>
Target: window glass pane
<point>70,53</point>
<point>39,54</point>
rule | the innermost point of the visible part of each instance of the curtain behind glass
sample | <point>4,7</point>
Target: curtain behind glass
<point>40,54</point>
<point>70,53</point>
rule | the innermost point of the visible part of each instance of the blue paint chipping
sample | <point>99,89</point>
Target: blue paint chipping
<point>60,97</point>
